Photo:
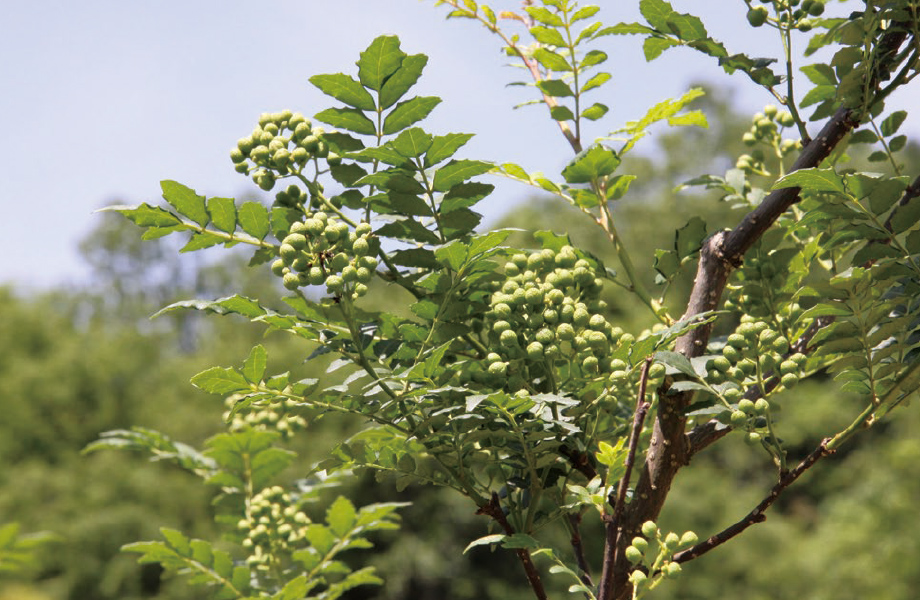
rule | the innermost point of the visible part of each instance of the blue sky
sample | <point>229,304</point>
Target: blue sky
<point>102,99</point>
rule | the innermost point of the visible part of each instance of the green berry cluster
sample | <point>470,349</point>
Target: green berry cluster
<point>790,12</point>
<point>656,556</point>
<point>278,416</point>
<point>547,308</point>
<point>765,131</point>
<point>761,288</point>
<point>322,249</point>
<point>279,146</point>
<point>754,348</point>
<point>274,527</point>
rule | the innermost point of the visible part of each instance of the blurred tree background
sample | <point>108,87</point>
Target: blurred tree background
<point>80,362</point>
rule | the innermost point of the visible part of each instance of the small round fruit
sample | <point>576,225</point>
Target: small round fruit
<point>649,529</point>
<point>633,555</point>
<point>291,281</point>
<point>757,16</point>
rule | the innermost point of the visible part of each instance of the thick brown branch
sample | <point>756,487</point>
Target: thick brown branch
<point>757,515</point>
<point>669,448</point>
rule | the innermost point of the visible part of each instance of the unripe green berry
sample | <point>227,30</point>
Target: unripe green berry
<point>732,395</point>
<point>747,366</point>
<point>364,274</point>
<point>291,281</point>
<point>590,364</point>
<point>316,276</point>
<point>731,354</point>
<point>501,326</point>
<point>672,570</point>
<point>360,247</point>
<point>736,340</point>
<point>633,555</point>
<point>278,265</point>
<point>789,380</point>
<point>288,252</point>
<point>498,368</point>
<point>493,357</point>
<point>565,332</point>
<point>788,366</point>
<point>780,344</point>
<point>535,351</point>
<point>637,578</point>
<point>335,283</point>
<point>739,418</point>
<point>688,539</point>
<point>761,407</point>
<point>671,541</point>
<point>752,438</point>
<point>581,317</point>
<point>649,529</point>
<point>746,406</point>
<point>508,339</point>
<point>656,371</point>
<point>297,240</point>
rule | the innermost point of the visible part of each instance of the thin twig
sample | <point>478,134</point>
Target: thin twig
<point>494,510</point>
<point>613,524</point>
<point>757,515</point>
<point>579,550</point>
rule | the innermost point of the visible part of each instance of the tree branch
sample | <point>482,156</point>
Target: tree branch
<point>757,515</point>
<point>612,526</point>
<point>494,510</point>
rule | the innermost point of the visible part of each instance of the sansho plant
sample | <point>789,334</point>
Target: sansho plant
<point>508,382</point>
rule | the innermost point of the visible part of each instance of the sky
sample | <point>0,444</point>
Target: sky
<point>103,99</point>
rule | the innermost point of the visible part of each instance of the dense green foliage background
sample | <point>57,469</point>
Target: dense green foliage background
<point>77,362</point>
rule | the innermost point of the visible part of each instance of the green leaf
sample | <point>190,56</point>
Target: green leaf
<point>906,216</point>
<point>186,202</point>
<point>223,213</point>
<point>402,80</point>
<point>444,146</point>
<point>199,241</point>
<point>254,366</point>
<point>813,180</point>
<point>656,13</point>
<point>253,219</point>
<point>595,111</point>
<point>380,60</point>
<point>408,112</point>
<point>592,58</point>
<point>464,195</point>
<point>555,88</point>
<point>488,540</point>
<point>220,380</point>
<point>551,60</point>
<point>676,361</point>
<point>561,113</point>
<point>543,15</point>
<point>585,12</point>
<point>341,516</point>
<point>689,238</point>
<point>452,255</point>
<point>350,119</point>
<point>654,46</point>
<point>344,89</point>
<point>145,215</point>
<point>626,29</point>
<point>458,171</point>
<point>666,263</point>
<point>892,122</point>
<point>412,142</point>
<point>597,161</point>
<point>547,35</point>
<point>596,80</point>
